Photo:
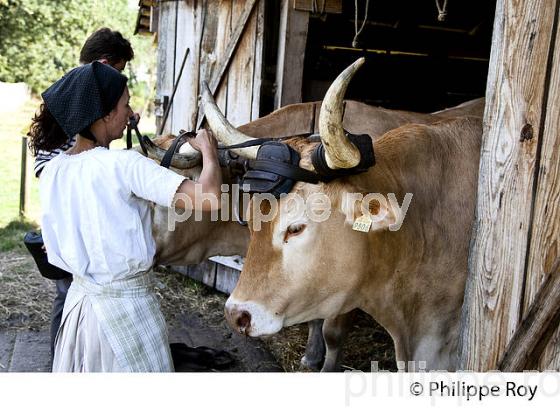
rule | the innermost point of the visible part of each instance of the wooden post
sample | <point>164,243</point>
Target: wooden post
<point>23,178</point>
<point>512,146</point>
<point>545,234</point>
<point>291,53</point>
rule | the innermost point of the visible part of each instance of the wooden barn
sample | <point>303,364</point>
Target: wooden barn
<point>426,55</point>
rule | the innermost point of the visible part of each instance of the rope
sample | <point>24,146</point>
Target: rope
<point>358,32</point>
<point>315,9</point>
<point>442,10</point>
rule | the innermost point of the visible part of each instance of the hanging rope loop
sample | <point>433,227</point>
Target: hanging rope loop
<point>315,12</point>
<point>442,10</point>
<point>357,32</point>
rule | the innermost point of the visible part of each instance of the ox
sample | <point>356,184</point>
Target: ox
<point>192,242</point>
<point>411,280</point>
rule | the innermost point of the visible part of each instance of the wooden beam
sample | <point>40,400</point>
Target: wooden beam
<point>513,121</point>
<point>292,40</point>
<point>222,66</point>
<point>536,329</point>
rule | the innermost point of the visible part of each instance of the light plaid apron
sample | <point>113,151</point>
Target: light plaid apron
<point>130,317</point>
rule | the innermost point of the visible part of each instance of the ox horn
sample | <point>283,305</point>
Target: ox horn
<point>339,151</point>
<point>226,133</point>
<point>179,161</point>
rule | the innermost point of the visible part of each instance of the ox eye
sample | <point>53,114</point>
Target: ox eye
<point>294,230</point>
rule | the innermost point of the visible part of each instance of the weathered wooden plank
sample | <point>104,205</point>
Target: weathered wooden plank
<point>209,39</point>
<point>545,234</point>
<point>185,104</point>
<point>226,278</point>
<point>291,53</point>
<point>241,21</point>
<point>540,322</point>
<point>166,49</point>
<point>516,79</point>
<point>550,359</point>
<point>222,38</point>
<point>329,6</point>
<point>258,60</point>
<point>174,91</point>
<point>240,84</point>
<point>154,20</point>
<point>204,272</point>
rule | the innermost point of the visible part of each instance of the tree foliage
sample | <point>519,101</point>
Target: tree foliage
<point>41,39</point>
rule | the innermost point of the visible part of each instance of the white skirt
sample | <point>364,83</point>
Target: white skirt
<point>81,345</point>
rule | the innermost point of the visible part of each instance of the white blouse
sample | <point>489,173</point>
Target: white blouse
<point>97,221</point>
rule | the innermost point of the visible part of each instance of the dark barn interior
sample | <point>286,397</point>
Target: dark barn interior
<point>413,61</point>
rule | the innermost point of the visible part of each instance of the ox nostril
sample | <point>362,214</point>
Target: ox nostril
<point>244,320</point>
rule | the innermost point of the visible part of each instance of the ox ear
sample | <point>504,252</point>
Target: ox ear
<point>370,212</point>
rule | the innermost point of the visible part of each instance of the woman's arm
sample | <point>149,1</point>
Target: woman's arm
<point>210,180</point>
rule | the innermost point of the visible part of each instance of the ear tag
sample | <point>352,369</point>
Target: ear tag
<point>362,224</point>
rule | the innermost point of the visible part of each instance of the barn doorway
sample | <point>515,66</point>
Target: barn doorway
<point>413,61</point>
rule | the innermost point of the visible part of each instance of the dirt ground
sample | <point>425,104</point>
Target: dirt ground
<point>26,298</point>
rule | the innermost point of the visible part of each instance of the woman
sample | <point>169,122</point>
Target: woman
<point>97,223</point>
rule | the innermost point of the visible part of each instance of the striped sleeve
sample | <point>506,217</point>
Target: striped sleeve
<point>43,157</point>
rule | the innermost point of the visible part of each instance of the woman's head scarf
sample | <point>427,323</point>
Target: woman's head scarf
<point>84,95</point>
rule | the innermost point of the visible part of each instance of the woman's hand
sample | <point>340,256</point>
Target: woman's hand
<point>204,142</point>
<point>210,179</point>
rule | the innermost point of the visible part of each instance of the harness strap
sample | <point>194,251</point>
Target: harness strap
<point>367,159</point>
<point>168,157</point>
<point>255,142</point>
<point>179,140</point>
<point>285,170</point>
<point>133,124</point>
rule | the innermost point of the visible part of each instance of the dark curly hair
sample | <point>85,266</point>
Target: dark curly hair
<point>106,43</point>
<point>45,133</point>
